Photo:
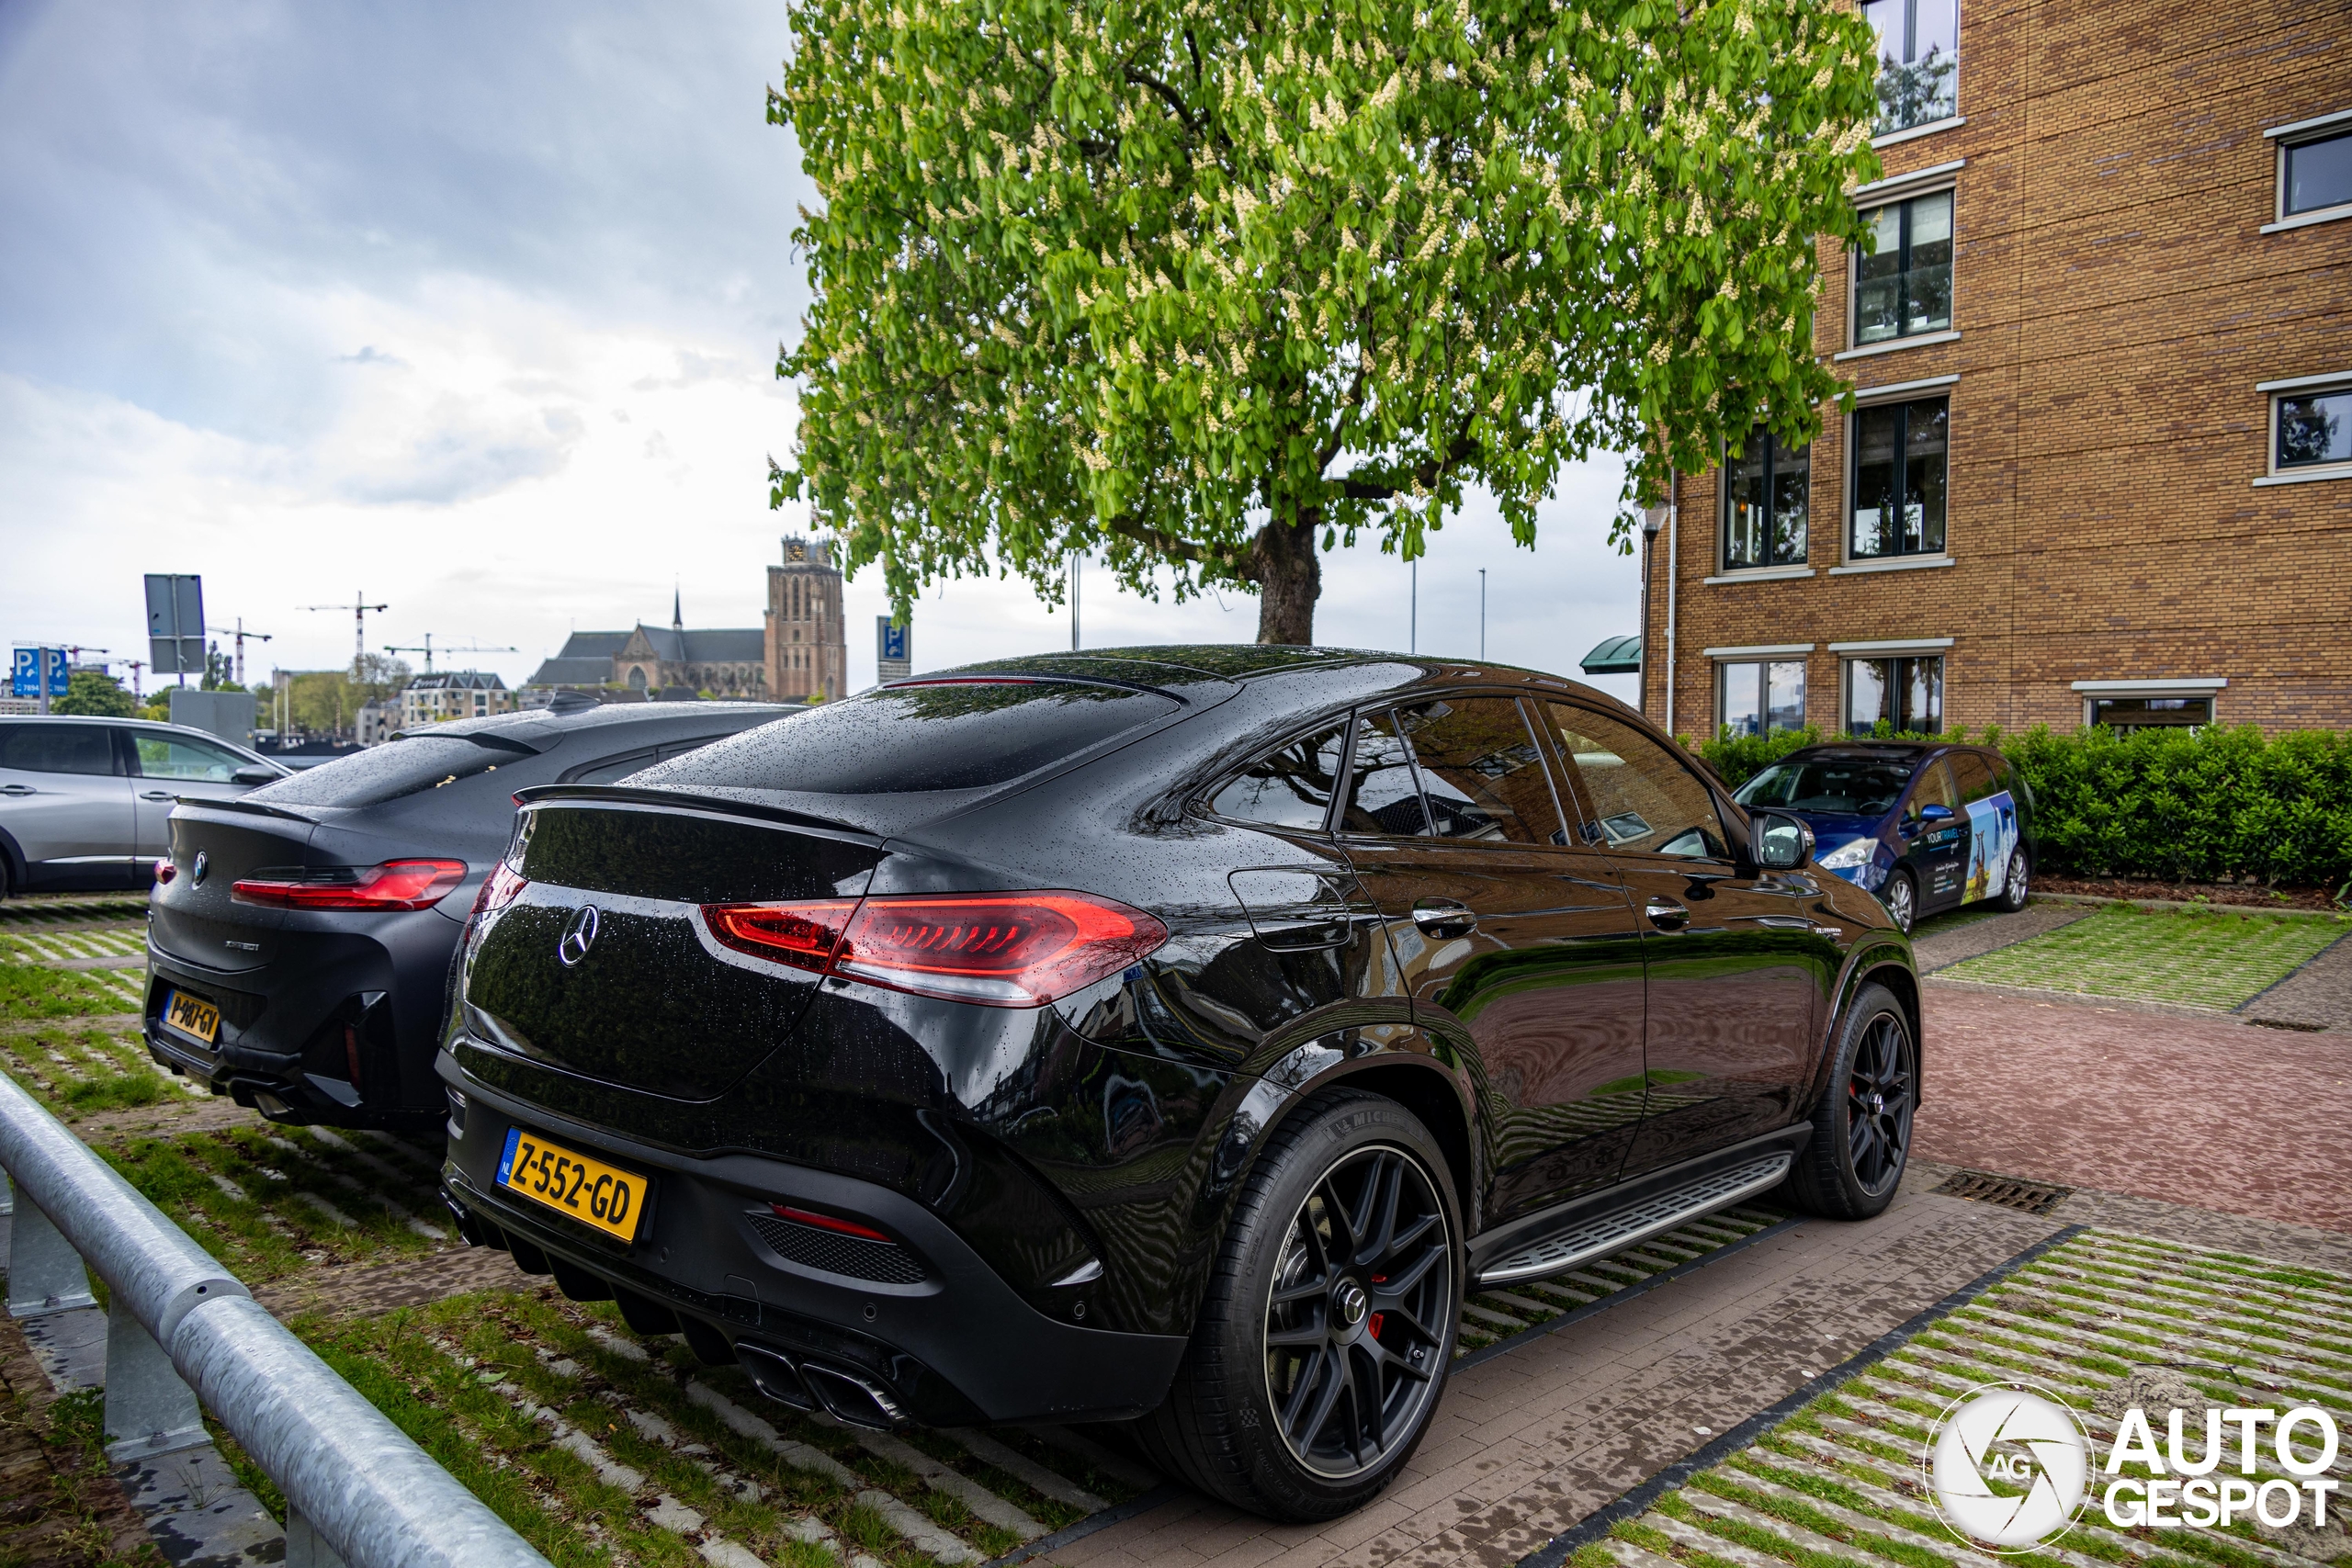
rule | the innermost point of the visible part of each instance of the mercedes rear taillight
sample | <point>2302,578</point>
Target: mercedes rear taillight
<point>1019,950</point>
<point>394,885</point>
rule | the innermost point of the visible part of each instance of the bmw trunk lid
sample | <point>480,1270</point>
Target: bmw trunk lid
<point>592,949</point>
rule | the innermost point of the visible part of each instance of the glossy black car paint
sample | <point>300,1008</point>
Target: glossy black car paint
<point>1060,1176</point>
<point>331,1016</point>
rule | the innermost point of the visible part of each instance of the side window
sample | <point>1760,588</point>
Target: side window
<point>1975,777</point>
<point>1384,800</point>
<point>1642,798</point>
<point>57,748</point>
<point>177,757</point>
<point>1288,788</point>
<point>1934,787</point>
<point>1480,771</point>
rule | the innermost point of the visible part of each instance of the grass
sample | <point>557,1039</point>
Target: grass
<point>2195,957</point>
<point>30,991</point>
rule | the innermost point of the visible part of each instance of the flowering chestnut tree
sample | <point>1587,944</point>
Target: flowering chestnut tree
<point>1211,285</point>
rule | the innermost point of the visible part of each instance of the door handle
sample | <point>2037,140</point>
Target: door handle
<point>157,795</point>
<point>1668,915</point>
<point>16,789</point>
<point>1444,918</point>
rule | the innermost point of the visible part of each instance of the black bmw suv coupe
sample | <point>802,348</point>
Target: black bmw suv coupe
<point>299,937</point>
<point>1168,1033</point>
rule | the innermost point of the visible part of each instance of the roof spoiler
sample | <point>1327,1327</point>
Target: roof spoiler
<point>687,800</point>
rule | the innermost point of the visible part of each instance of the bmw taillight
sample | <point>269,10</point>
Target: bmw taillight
<point>395,885</point>
<point>165,871</point>
<point>1018,950</point>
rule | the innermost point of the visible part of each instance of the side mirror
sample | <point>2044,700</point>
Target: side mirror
<point>1936,816</point>
<point>255,774</point>
<point>1783,843</point>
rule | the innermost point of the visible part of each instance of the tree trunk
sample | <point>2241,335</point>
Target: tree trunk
<point>1290,579</point>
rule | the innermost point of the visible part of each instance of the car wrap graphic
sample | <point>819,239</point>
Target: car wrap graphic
<point>1992,835</point>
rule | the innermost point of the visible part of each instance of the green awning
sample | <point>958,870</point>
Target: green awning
<point>1618,656</point>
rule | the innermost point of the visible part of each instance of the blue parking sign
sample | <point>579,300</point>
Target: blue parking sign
<point>25,674</point>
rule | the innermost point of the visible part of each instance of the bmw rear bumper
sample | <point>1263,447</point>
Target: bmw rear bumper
<point>932,1334</point>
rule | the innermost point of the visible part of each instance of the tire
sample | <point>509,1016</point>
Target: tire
<point>1852,1166</point>
<point>1901,900</point>
<point>2015,891</point>
<point>1268,1410</point>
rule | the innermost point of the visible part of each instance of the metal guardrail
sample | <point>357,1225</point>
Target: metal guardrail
<point>180,1327</point>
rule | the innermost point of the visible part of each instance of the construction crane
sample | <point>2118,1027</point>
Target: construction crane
<point>239,634</point>
<point>359,608</point>
<point>427,649</point>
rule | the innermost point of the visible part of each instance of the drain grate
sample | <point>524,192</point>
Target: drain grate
<point>2009,1191</point>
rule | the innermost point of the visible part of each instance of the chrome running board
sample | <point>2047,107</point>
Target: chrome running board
<point>1616,1231</point>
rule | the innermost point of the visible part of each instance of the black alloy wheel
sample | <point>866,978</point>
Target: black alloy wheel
<point>1901,900</point>
<point>1878,1104</point>
<point>2014,888</point>
<point>1853,1162</point>
<point>1361,1292</point>
<point>1326,1333</point>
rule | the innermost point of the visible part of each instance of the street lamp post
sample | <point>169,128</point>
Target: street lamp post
<point>1482,614</point>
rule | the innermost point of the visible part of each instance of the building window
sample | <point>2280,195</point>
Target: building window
<point>1906,694</point>
<point>1766,496</point>
<point>1918,60</point>
<point>1759,698</point>
<point>1903,287</point>
<point>2312,429</point>
<point>1899,471</point>
<point>2315,175</point>
<point>2124,714</point>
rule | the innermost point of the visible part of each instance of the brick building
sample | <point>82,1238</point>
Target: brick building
<point>807,640</point>
<point>2100,464</point>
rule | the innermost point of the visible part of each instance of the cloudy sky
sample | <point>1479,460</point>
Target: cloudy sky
<point>473,309</point>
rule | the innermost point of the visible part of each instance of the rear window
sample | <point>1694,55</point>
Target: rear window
<point>57,748</point>
<point>386,772</point>
<point>950,734</point>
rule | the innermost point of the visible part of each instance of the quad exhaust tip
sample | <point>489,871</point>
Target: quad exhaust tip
<point>849,1397</point>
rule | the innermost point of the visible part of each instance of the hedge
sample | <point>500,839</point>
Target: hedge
<point>2209,804</point>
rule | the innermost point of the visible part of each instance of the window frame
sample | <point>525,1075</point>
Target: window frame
<point>2284,139</point>
<point>1900,197</point>
<point>1772,448</point>
<point>1881,133</point>
<point>1585,831</point>
<point>1762,664</point>
<point>1204,798</point>
<point>1846,662</point>
<point>1369,712</point>
<point>1846,551</point>
<point>2302,385</point>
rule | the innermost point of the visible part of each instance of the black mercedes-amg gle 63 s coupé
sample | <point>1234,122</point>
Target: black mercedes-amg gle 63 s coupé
<point>1170,1034</point>
<point>299,937</point>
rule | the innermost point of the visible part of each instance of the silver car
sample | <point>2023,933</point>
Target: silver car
<point>86,802</point>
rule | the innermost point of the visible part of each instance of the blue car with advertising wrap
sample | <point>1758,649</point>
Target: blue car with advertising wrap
<point>1926,828</point>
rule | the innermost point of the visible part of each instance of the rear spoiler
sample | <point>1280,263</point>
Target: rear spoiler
<point>256,807</point>
<point>687,800</point>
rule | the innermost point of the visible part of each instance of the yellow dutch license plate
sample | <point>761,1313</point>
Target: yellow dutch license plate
<point>192,1015</point>
<point>588,1190</point>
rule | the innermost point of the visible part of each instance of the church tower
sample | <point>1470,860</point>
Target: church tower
<point>807,640</point>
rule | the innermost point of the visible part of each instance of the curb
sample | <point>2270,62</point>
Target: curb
<point>2275,909</point>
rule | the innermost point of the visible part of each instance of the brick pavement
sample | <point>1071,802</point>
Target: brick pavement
<point>2197,1111</point>
<point>1527,1443</point>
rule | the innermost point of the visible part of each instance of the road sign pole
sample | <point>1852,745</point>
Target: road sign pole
<point>40,673</point>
